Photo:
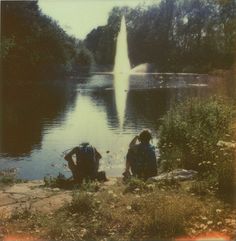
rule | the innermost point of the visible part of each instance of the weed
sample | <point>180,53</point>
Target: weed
<point>9,180</point>
<point>82,203</point>
<point>164,217</point>
<point>135,185</point>
<point>89,186</point>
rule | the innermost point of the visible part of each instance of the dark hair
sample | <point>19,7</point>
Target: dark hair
<point>145,136</point>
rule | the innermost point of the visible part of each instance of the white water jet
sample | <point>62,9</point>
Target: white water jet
<point>122,63</point>
<point>121,72</point>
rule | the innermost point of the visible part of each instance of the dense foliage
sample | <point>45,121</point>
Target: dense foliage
<point>197,135</point>
<point>33,45</point>
<point>175,35</point>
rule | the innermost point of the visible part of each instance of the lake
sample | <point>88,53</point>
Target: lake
<point>40,122</point>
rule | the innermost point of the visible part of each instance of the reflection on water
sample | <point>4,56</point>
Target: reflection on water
<point>121,86</point>
<point>42,121</point>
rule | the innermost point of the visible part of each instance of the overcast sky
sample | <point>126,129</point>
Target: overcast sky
<point>79,17</point>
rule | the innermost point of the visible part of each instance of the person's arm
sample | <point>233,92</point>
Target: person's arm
<point>68,156</point>
<point>97,157</point>
<point>133,142</point>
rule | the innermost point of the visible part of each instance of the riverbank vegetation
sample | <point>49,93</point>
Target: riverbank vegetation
<point>195,134</point>
<point>198,135</point>
<point>175,36</point>
<point>146,212</point>
<point>33,46</point>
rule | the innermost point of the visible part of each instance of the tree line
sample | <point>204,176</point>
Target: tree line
<point>33,46</point>
<point>174,35</point>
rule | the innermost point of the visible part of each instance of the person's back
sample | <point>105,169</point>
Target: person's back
<point>87,162</point>
<point>141,158</point>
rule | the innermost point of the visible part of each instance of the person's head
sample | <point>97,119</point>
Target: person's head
<point>145,136</point>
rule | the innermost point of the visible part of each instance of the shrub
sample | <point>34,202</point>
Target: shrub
<point>190,132</point>
<point>82,203</point>
<point>193,136</point>
<point>9,180</point>
<point>89,186</point>
<point>136,185</point>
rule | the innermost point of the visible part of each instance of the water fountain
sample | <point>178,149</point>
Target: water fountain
<point>122,63</point>
<point>121,72</point>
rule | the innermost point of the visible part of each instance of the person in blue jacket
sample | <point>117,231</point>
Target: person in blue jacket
<point>141,157</point>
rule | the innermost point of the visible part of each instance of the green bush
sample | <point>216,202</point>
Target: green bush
<point>197,135</point>
<point>190,132</point>
<point>82,203</point>
<point>135,185</point>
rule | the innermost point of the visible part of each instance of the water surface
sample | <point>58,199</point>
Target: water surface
<point>41,121</point>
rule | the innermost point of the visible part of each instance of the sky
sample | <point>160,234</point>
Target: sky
<point>79,17</point>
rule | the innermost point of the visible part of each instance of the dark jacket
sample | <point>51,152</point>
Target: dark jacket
<point>142,159</point>
<point>87,162</point>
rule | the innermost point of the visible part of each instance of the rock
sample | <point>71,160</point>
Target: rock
<point>56,189</point>
<point>178,174</point>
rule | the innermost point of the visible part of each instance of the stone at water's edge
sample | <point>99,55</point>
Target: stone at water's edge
<point>34,196</point>
<point>178,174</point>
<point>31,195</point>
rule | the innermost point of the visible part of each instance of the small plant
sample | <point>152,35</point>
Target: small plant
<point>9,180</point>
<point>163,217</point>
<point>136,185</point>
<point>89,186</point>
<point>58,182</point>
<point>167,184</point>
<point>199,187</point>
<point>22,213</point>
<point>82,203</point>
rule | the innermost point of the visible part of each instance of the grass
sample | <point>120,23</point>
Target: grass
<point>118,213</point>
<point>81,203</point>
<point>163,217</point>
<point>10,180</point>
<point>61,182</point>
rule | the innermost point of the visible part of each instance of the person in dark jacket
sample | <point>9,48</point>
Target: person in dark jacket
<point>141,157</point>
<point>86,163</point>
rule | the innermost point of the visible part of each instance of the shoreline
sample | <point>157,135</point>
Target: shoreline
<point>114,198</point>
